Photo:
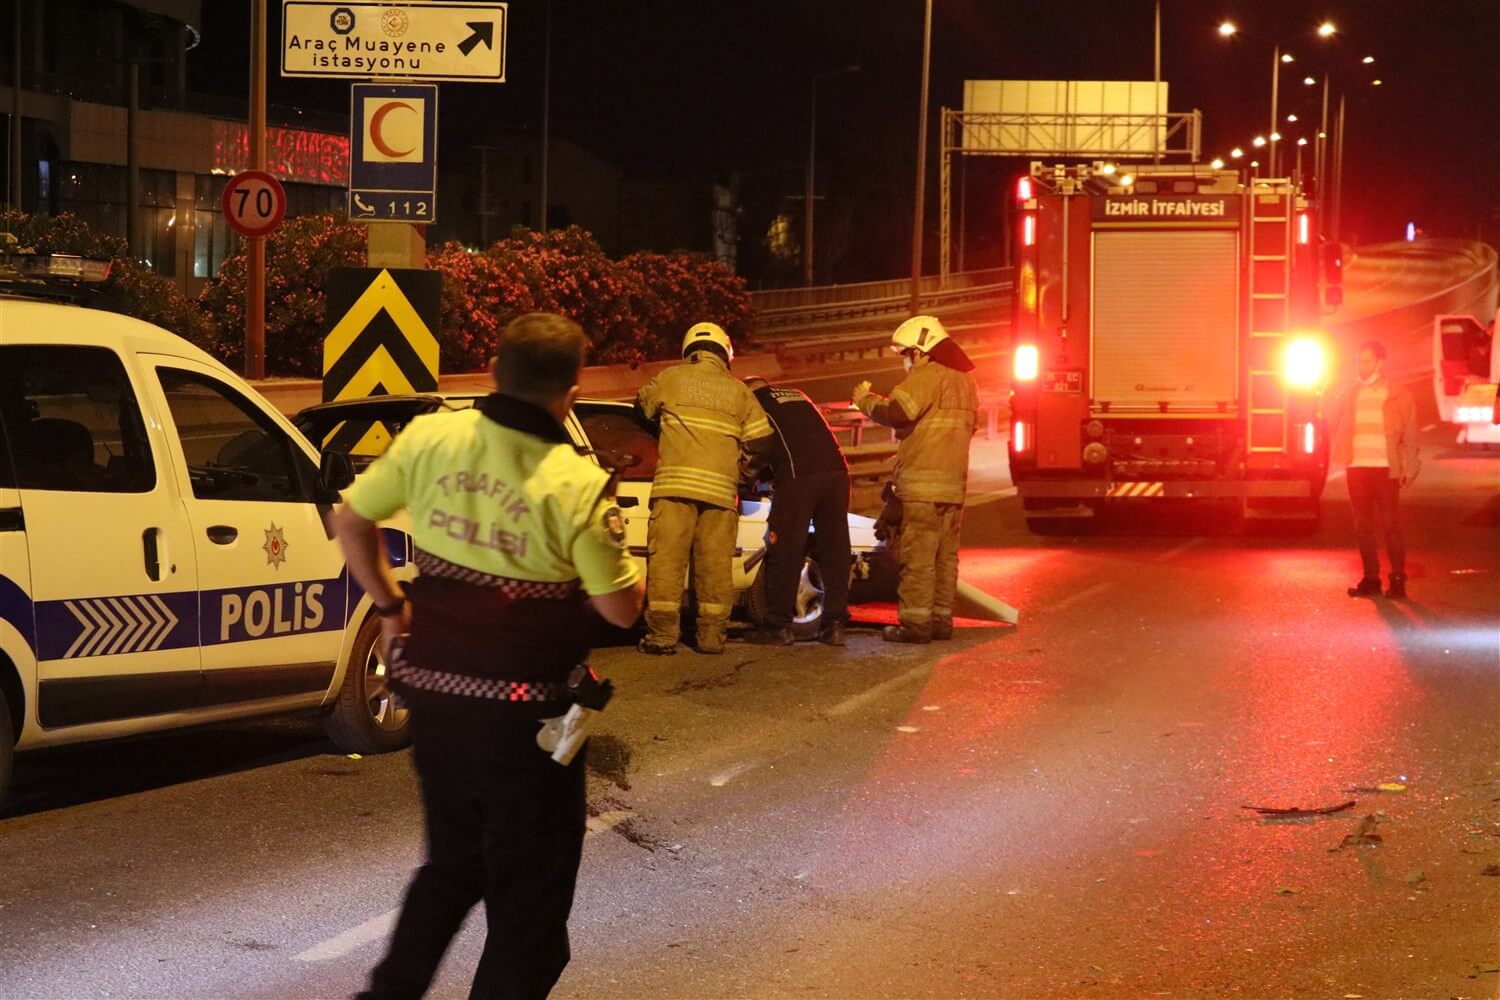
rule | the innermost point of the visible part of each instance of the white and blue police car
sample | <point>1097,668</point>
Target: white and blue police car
<point>165,552</point>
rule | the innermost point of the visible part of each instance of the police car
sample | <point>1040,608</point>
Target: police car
<point>619,438</point>
<point>165,554</point>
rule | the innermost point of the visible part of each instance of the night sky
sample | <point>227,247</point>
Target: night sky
<point>710,88</point>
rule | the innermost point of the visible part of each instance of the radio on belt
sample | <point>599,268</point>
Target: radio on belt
<point>562,735</point>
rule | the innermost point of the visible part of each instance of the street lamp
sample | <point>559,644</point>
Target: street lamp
<point>1236,153</point>
<point>1228,29</point>
<point>812,152</point>
<point>916,226</point>
<point>1217,163</point>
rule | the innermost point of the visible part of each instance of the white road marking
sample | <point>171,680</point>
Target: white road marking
<point>607,821</point>
<point>1428,428</point>
<point>1078,596</point>
<point>1178,550</point>
<point>906,729</point>
<point>337,947</point>
<point>727,775</point>
<point>992,495</point>
<point>865,697</point>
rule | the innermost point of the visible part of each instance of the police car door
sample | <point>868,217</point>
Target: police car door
<point>271,576</point>
<point>112,588</point>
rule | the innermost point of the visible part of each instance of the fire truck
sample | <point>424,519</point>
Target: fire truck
<point>1166,343</point>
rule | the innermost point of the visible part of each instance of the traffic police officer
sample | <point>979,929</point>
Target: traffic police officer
<point>811,479</point>
<point>516,536</point>
<point>933,413</point>
<point>711,428</point>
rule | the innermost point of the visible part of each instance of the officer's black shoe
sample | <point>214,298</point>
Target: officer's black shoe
<point>652,649</point>
<point>1366,588</point>
<point>770,635</point>
<point>906,633</point>
<point>832,634</point>
<point>942,629</point>
<point>1397,589</point>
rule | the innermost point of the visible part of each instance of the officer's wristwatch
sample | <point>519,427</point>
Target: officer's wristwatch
<point>392,609</point>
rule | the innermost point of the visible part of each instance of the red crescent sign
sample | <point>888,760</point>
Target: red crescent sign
<point>254,203</point>
<point>378,119</point>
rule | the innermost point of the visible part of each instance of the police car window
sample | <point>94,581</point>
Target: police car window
<point>72,422</point>
<point>233,452</point>
<point>621,439</point>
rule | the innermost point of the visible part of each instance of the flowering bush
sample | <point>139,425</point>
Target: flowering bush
<point>299,257</point>
<point>632,310</point>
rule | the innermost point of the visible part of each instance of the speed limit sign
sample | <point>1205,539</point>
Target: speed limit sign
<point>254,203</point>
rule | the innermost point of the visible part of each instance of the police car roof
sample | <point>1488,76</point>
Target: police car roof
<point>34,321</point>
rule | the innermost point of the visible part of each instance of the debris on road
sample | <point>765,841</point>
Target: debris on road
<point>1485,968</point>
<point>1363,836</point>
<point>1388,787</point>
<point>1416,878</point>
<point>1287,890</point>
<point>1295,811</point>
<point>1491,870</point>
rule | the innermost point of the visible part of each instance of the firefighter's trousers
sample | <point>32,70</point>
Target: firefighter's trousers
<point>683,531</point>
<point>929,562</point>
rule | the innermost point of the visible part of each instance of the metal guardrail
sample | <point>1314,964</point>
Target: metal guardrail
<point>794,313</point>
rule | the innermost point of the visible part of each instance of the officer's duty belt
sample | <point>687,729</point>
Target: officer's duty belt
<point>443,682</point>
<point>516,590</point>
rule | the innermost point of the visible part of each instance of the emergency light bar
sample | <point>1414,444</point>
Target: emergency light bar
<point>41,266</point>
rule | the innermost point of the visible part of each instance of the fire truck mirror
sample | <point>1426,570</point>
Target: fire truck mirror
<point>1333,264</point>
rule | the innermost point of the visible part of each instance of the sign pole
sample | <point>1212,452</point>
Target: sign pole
<point>255,278</point>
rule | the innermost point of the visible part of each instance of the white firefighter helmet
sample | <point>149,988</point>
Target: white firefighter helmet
<point>920,333</point>
<point>707,333</point>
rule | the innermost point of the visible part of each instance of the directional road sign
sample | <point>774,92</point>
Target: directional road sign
<point>412,41</point>
<point>254,203</point>
<point>381,341</point>
<point>393,156</point>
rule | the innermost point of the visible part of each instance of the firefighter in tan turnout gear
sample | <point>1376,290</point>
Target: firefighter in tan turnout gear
<point>711,428</point>
<point>933,412</point>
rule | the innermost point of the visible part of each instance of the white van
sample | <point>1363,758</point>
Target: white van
<point>165,555</point>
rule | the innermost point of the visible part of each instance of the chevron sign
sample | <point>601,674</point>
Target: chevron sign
<point>120,625</point>
<point>380,343</point>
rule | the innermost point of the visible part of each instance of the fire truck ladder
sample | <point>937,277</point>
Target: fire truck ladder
<point>1270,315</point>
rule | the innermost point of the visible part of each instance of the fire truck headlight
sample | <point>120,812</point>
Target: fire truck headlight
<point>1027,363</point>
<point>1305,363</point>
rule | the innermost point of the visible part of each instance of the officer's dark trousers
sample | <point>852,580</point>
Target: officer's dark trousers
<point>504,824</point>
<point>822,499</point>
<point>1375,497</point>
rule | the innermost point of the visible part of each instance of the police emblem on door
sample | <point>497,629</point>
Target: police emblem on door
<point>276,546</point>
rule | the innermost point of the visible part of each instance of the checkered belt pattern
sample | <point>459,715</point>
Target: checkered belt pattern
<point>516,590</point>
<point>443,682</point>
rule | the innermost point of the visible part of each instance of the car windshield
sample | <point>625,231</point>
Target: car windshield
<point>364,428</point>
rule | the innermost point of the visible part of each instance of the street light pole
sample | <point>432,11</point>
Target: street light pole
<point>255,278</point>
<point>546,112</point>
<point>1275,89</point>
<point>807,200</point>
<point>1338,168</point>
<point>916,227</point>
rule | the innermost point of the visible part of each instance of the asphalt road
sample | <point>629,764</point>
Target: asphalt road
<point>1051,810</point>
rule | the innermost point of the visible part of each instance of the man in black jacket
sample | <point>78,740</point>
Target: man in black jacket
<point>811,480</point>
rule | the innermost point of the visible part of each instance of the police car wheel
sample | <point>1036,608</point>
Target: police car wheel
<point>7,746</point>
<point>365,717</point>
<point>807,606</point>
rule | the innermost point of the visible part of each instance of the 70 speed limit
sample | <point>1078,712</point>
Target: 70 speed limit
<point>254,203</point>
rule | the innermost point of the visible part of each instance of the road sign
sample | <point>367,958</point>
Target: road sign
<point>411,41</point>
<point>254,203</point>
<point>381,342</point>
<point>393,152</point>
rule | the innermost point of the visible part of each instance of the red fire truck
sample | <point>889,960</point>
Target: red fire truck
<point>1165,343</point>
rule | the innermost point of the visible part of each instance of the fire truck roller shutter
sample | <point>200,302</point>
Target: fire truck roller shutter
<point>1166,318</point>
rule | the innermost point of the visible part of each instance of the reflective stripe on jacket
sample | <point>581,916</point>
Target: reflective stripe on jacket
<point>710,424</point>
<point>934,413</point>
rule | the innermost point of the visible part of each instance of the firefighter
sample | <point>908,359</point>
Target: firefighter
<point>811,479</point>
<point>933,412</point>
<point>711,428</point>
<point>515,538</point>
